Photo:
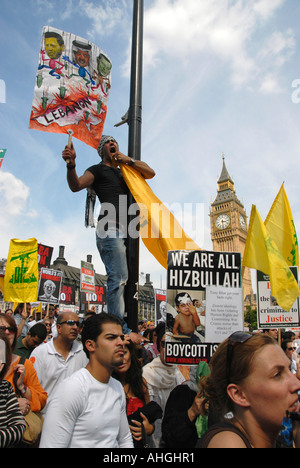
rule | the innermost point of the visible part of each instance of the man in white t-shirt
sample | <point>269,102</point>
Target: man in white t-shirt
<point>61,357</point>
<point>88,410</point>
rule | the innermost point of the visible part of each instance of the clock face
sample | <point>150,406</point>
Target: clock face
<point>223,221</point>
<point>243,222</point>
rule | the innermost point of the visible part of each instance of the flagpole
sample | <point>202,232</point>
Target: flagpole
<point>134,151</point>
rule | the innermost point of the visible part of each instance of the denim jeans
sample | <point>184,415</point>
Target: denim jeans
<point>112,251</point>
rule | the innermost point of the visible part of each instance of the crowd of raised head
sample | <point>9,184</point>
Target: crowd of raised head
<point>90,386</point>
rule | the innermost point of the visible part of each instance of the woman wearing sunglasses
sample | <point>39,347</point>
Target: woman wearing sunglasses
<point>250,380</point>
<point>34,397</point>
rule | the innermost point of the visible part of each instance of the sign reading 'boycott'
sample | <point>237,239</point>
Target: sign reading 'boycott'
<point>188,325</point>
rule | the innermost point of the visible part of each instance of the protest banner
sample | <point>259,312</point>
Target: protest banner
<point>269,313</point>
<point>67,294</point>
<point>160,296</point>
<point>263,254</point>
<point>72,87</point>
<point>49,286</point>
<point>2,154</point>
<point>97,297</point>
<point>44,255</point>
<point>189,273</point>
<point>21,274</point>
<point>281,227</point>
<point>87,277</point>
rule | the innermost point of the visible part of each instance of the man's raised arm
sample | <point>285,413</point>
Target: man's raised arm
<point>75,183</point>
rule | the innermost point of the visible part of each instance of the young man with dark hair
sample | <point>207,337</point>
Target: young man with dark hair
<point>106,181</point>
<point>35,336</point>
<point>88,409</point>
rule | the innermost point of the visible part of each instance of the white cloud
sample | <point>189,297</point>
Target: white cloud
<point>266,8</point>
<point>14,197</point>
<point>220,30</point>
<point>104,18</point>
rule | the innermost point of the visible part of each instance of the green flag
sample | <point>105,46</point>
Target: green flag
<point>2,154</point>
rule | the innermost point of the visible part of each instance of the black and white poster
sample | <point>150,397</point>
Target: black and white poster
<point>189,274</point>
<point>49,286</point>
<point>160,305</point>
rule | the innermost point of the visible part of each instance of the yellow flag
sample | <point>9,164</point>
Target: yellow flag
<point>21,275</point>
<point>2,283</point>
<point>159,229</point>
<point>262,253</point>
<point>281,227</point>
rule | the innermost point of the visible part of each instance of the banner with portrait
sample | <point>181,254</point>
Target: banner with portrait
<point>192,278</point>
<point>49,286</point>
<point>72,87</point>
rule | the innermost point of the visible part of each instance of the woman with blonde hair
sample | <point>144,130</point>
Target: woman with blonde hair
<point>251,387</point>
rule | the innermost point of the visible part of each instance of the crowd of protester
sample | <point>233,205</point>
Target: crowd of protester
<point>85,384</point>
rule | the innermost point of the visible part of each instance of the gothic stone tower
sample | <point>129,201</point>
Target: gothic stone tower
<point>228,221</point>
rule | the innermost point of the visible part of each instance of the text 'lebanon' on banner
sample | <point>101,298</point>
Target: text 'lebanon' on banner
<point>72,87</point>
<point>21,275</point>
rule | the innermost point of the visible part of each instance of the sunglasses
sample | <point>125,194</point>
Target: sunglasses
<point>234,340</point>
<point>10,330</point>
<point>71,323</point>
<point>292,349</point>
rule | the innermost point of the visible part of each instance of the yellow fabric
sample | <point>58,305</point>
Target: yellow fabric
<point>262,253</point>
<point>22,274</point>
<point>281,227</point>
<point>159,229</point>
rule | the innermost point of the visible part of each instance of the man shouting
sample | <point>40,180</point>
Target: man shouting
<point>106,180</point>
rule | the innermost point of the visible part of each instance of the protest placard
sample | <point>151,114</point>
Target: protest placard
<point>270,315</point>
<point>189,274</point>
<point>49,286</point>
<point>72,87</point>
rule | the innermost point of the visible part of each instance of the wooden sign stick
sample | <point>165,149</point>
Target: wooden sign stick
<point>70,132</point>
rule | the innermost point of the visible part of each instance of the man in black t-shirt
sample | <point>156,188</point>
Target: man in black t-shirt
<point>107,181</point>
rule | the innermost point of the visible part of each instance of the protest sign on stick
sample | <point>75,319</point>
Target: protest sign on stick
<point>188,330</point>
<point>50,285</point>
<point>72,87</point>
<point>21,275</point>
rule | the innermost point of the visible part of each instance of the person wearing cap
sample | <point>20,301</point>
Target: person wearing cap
<point>106,181</point>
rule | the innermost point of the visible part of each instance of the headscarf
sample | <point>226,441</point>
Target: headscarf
<point>104,139</point>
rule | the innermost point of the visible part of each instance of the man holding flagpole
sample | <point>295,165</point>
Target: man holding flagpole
<point>106,181</point>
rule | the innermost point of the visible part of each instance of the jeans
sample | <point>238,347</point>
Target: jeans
<point>112,251</point>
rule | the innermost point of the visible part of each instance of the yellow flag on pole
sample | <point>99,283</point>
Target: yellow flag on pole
<point>262,253</point>
<point>21,274</point>
<point>159,229</point>
<point>281,227</point>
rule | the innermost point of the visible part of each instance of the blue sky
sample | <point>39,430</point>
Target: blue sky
<point>218,77</point>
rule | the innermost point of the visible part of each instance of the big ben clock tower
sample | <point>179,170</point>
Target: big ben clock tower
<point>228,221</point>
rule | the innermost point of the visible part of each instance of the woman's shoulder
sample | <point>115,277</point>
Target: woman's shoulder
<point>224,435</point>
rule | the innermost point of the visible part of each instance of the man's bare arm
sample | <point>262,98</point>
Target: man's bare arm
<point>75,183</point>
<point>142,167</point>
